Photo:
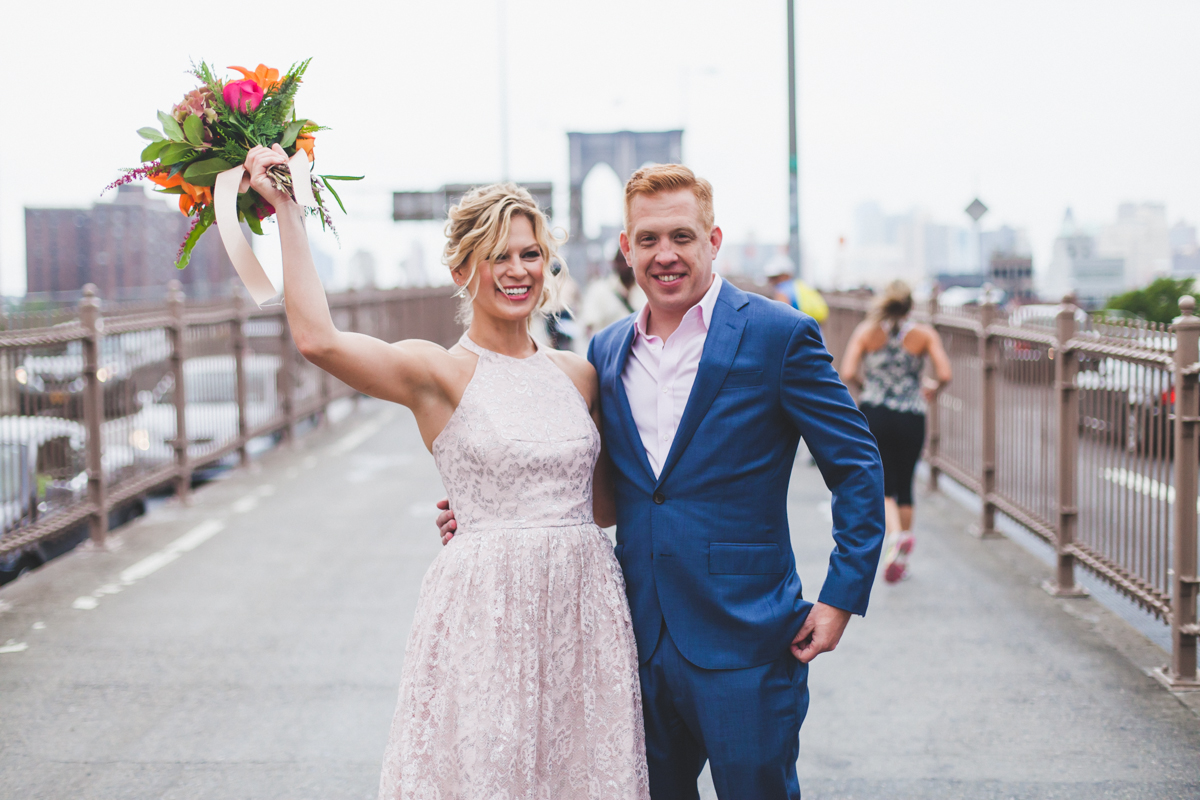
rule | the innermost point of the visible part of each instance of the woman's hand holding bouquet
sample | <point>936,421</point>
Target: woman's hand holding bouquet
<point>222,125</point>
<point>259,163</point>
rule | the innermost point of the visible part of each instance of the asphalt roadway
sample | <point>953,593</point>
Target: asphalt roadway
<point>249,646</point>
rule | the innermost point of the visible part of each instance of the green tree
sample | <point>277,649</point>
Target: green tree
<point>1158,302</point>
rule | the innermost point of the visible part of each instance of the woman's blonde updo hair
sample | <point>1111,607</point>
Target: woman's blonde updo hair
<point>477,230</point>
<point>893,304</point>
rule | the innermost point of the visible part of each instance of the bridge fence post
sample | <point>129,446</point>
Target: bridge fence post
<point>178,332</point>
<point>988,360</point>
<point>933,414</point>
<point>1066,393</point>
<point>1181,672</point>
<point>240,345</point>
<point>93,415</point>
<point>287,380</point>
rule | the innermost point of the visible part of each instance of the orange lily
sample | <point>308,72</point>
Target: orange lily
<point>191,196</point>
<point>306,142</point>
<point>266,77</point>
<point>166,182</point>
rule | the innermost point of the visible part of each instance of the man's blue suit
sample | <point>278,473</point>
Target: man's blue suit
<point>705,546</point>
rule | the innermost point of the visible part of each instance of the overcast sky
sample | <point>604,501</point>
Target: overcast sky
<point>1034,105</point>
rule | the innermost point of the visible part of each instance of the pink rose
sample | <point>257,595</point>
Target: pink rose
<point>243,96</point>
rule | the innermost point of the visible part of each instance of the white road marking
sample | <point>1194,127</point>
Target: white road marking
<point>13,646</point>
<point>39,626</point>
<point>1142,484</point>
<point>85,603</point>
<point>247,503</point>
<point>5,606</point>
<point>108,588</point>
<point>368,465</point>
<point>361,434</point>
<point>189,541</point>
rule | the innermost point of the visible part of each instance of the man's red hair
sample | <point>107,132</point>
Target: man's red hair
<point>658,178</point>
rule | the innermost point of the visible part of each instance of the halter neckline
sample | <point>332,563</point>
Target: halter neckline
<point>470,344</point>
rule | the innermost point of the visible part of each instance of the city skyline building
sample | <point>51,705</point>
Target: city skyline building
<point>1077,267</point>
<point>1185,251</point>
<point>126,248</point>
<point>1098,261</point>
<point>1140,237</point>
<point>914,247</point>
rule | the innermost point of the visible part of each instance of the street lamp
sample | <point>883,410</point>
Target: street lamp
<point>975,211</point>
<point>793,160</point>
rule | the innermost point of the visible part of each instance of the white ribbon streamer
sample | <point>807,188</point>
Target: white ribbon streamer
<point>229,185</point>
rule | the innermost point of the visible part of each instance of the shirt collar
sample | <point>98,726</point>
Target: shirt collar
<point>705,306</point>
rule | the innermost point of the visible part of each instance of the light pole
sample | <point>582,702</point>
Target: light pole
<point>793,160</point>
<point>502,47</point>
<point>975,211</point>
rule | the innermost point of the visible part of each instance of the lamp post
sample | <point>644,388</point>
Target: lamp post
<point>975,211</point>
<point>502,47</point>
<point>793,160</point>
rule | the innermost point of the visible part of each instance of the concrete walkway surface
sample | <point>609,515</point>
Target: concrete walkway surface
<point>249,646</point>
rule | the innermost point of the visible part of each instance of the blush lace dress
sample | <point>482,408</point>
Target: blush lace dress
<point>520,676</point>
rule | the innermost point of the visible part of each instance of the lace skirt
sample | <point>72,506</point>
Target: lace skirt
<point>520,675</point>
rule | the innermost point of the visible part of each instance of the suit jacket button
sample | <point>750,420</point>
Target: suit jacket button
<point>660,498</point>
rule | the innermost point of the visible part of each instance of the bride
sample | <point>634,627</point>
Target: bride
<point>520,675</point>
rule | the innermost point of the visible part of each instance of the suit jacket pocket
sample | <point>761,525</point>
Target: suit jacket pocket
<point>741,380</point>
<point>745,559</point>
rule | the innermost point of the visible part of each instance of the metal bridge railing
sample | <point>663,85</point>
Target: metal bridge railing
<point>98,409</point>
<point>1086,434</point>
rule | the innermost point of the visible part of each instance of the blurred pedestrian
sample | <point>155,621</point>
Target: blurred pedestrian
<point>562,329</point>
<point>612,297</point>
<point>794,292</point>
<point>779,278</point>
<point>891,350</point>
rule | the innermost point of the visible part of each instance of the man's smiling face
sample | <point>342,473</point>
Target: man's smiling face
<point>671,252</point>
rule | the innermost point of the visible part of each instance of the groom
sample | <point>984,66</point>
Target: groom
<point>705,396</point>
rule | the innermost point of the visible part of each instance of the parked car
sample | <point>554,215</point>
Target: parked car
<point>43,470</point>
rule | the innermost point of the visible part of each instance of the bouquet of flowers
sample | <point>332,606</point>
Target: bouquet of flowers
<point>212,130</point>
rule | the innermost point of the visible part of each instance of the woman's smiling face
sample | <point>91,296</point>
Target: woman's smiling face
<point>509,286</point>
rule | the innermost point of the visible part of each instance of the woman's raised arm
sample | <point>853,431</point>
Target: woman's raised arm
<point>405,372</point>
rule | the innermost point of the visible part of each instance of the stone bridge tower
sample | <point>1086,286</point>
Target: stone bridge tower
<point>624,152</point>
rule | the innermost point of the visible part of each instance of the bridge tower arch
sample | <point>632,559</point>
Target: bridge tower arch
<point>624,152</point>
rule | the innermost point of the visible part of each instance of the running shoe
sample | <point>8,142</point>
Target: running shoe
<point>895,561</point>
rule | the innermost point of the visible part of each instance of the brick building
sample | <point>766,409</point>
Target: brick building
<point>127,248</point>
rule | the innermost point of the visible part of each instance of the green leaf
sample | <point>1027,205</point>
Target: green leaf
<point>150,134</point>
<point>333,192</point>
<point>254,223</point>
<point>343,177</point>
<point>193,129</point>
<point>153,149</point>
<point>170,127</point>
<point>291,131</point>
<point>204,221</point>
<point>204,173</point>
<point>172,190</point>
<point>176,152</point>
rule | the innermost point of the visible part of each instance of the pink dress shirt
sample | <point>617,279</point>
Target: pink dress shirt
<point>659,375</point>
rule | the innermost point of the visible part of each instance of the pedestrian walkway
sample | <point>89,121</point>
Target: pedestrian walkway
<point>249,646</point>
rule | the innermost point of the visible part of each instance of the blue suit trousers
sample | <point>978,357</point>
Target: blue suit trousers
<point>744,722</point>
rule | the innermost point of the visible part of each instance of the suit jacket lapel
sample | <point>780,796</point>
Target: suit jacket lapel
<point>624,411</point>
<point>720,346</point>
